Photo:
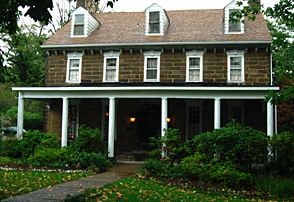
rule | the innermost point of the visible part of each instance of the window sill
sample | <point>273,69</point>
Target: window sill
<point>236,81</point>
<point>193,81</point>
<point>73,82</point>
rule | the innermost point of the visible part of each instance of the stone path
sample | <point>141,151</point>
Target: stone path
<point>59,192</point>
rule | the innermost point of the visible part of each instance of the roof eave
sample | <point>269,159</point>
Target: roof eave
<point>61,46</point>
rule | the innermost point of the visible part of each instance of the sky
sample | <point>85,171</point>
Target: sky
<point>141,5</point>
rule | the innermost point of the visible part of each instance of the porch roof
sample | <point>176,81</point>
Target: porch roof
<point>179,92</point>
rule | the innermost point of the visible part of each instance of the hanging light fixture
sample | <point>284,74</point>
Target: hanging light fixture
<point>132,119</point>
<point>168,120</point>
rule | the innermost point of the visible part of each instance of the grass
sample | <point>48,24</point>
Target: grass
<point>15,182</point>
<point>136,189</point>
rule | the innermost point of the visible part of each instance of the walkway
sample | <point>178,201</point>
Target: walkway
<point>59,192</point>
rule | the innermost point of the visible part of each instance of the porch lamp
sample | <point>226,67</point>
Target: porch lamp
<point>132,119</point>
<point>106,114</point>
<point>168,120</point>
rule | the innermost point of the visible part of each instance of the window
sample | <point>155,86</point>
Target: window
<point>154,22</point>
<point>73,122</point>
<point>234,26</point>
<point>236,110</point>
<point>79,24</point>
<point>194,66</point>
<point>152,66</point>
<point>111,67</point>
<point>74,65</point>
<point>236,66</point>
<point>193,117</point>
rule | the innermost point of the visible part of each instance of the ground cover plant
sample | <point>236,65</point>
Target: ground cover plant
<point>137,189</point>
<point>15,182</point>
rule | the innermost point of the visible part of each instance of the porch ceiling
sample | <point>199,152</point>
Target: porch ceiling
<point>183,92</point>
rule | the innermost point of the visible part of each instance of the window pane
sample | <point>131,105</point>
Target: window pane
<point>194,75</point>
<point>79,19</point>
<point>73,75</point>
<point>151,63</point>
<point>235,62</point>
<point>234,26</point>
<point>194,63</point>
<point>154,28</point>
<point>151,74</point>
<point>78,30</point>
<point>235,75</point>
<point>154,17</point>
<point>74,63</point>
<point>72,121</point>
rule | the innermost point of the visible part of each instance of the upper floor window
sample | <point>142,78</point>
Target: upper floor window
<point>154,22</point>
<point>152,66</point>
<point>79,24</point>
<point>236,66</point>
<point>194,66</point>
<point>74,65</point>
<point>234,26</point>
<point>111,66</point>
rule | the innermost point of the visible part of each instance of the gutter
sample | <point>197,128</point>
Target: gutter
<point>156,44</point>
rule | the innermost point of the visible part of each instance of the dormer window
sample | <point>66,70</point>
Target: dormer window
<point>79,25</point>
<point>83,23</point>
<point>234,26</point>
<point>154,22</point>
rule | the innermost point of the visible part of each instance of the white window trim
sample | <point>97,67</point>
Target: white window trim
<point>236,53</point>
<point>111,55</point>
<point>73,24</point>
<point>70,56</point>
<point>194,54</point>
<point>148,20</point>
<point>232,5</point>
<point>152,54</point>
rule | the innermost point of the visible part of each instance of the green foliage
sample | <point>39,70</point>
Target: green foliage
<point>91,160</point>
<point>34,140</point>
<point>282,159</point>
<point>89,140</point>
<point>162,168</point>
<point>170,145</point>
<point>55,157</point>
<point>268,183</point>
<point>10,148</point>
<point>216,171</point>
<point>243,145</point>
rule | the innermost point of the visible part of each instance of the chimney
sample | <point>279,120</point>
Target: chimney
<point>87,4</point>
<point>254,2</point>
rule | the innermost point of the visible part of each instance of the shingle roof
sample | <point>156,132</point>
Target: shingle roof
<point>185,26</point>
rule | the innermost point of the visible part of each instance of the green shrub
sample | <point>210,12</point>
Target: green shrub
<point>51,157</point>
<point>33,140</point>
<point>89,140</point>
<point>171,146</point>
<point>243,145</point>
<point>162,168</point>
<point>91,160</point>
<point>282,159</point>
<point>10,148</point>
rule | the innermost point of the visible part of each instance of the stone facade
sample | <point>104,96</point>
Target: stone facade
<point>172,68</point>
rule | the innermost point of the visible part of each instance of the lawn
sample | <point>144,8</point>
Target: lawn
<point>136,189</point>
<point>15,182</point>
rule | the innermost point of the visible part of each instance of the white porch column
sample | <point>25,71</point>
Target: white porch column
<point>163,115</point>
<point>217,113</point>
<point>20,115</point>
<point>270,119</point>
<point>111,128</point>
<point>64,122</point>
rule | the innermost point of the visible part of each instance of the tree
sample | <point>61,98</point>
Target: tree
<point>25,58</point>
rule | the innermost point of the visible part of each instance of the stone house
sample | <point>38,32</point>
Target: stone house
<point>134,74</point>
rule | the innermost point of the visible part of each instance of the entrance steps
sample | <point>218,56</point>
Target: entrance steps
<point>135,155</point>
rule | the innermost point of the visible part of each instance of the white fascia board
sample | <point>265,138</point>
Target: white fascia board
<point>149,88</point>
<point>155,43</point>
